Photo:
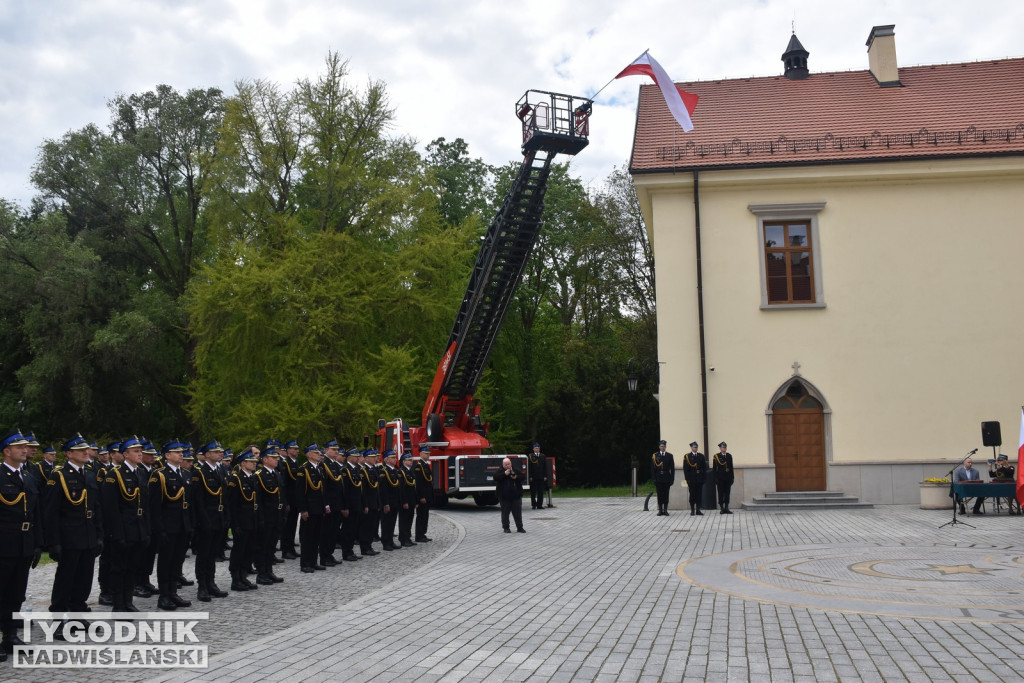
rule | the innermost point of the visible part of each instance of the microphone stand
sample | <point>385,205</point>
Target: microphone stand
<point>949,474</point>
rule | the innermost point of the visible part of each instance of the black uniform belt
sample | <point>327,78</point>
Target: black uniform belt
<point>220,508</point>
<point>16,526</point>
<point>279,506</point>
<point>184,505</point>
<point>138,512</point>
<point>88,514</point>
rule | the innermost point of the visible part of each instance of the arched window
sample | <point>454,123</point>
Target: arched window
<point>796,398</point>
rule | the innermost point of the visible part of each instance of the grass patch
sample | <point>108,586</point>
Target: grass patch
<point>598,492</point>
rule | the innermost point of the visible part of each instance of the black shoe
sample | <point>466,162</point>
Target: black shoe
<point>180,601</point>
<point>278,560</point>
<point>289,555</point>
<point>264,580</point>
<point>963,510</point>
<point>3,656</point>
<point>245,579</point>
<point>150,587</point>
<point>220,558</point>
<point>329,562</point>
<point>423,539</point>
<point>699,513</point>
<point>550,505</point>
<point>106,599</point>
<point>202,594</point>
<point>520,531</point>
<point>274,577</point>
<point>389,548</point>
<point>726,511</point>
<point>352,557</point>
<point>237,585</point>
<point>166,603</point>
<point>10,642</point>
<point>370,552</point>
<point>508,531</point>
<point>142,592</point>
<point>215,590</point>
<point>129,607</point>
<point>319,567</point>
<point>307,570</point>
<point>977,512</point>
<point>407,544</point>
<point>692,513</point>
<point>182,582</point>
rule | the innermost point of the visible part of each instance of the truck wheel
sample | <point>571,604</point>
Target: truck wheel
<point>485,499</point>
<point>435,428</point>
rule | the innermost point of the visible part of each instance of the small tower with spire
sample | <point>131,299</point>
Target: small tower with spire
<point>795,59</point>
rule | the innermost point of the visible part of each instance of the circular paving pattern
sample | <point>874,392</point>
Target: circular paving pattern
<point>973,582</point>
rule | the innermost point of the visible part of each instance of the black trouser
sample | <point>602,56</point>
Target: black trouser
<point>405,517</point>
<point>329,534</point>
<point>208,546</point>
<point>977,503</point>
<point>266,544</point>
<point>515,506</point>
<point>422,518</point>
<point>695,487</point>
<point>723,493</point>
<point>243,550</point>
<point>368,525</point>
<point>291,521</point>
<point>13,584</point>
<point>350,532</point>
<point>73,581</point>
<point>169,561</point>
<point>537,494</point>
<point>662,487</point>
<point>124,567</point>
<point>146,561</point>
<point>309,539</point>
<point>387,527</point>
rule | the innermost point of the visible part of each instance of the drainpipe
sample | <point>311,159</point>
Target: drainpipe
<point>707,497</point>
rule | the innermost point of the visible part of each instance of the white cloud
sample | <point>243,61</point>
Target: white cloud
<point>452,68</point>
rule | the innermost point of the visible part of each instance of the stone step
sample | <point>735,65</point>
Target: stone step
<point>803,494</point>
<point>773,501</point>
<point>775,507</point>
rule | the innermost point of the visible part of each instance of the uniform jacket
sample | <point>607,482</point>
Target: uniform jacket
<point>508,487</point>
<point>407,488</point>
<point>371,487</point>
<point>695,468</point>
<point>334,487</point>
<point>424,481</point>
<point>538,465</point>
<point>170,510</point>
<point>663,468</point>
<point>72,510</point>
<point>125,517</point>
<point>390,487</point>
<point>271,498</point>
<point>721,467</point>
<point>289,470</point>
<point>309,489</point>
<point>21,530</point>
<point>241,496</point>
<point>209,497</point>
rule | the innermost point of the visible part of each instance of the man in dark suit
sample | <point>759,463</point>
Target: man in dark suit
<point>270,497</point>
<point>171,522</point>
<point>21,534</point>
<point>695,471</point>
<point>354,507</point>
<point>391,499</point>
<point>72,527</point>
<point>725,475</point>
<point>289,468</point>
<point>369,524</point>
<point>43,468</point>
<point>144,587</point>
<point>334,494</point>
<point>966,472</point>
<point>663,474</point>
<point>312,506</point>
<point>538,470</point>
<point>210,519</point>
<point>508,484</point>
<point>241,496</point>
<point>424,494</point>
<point>126,523</point>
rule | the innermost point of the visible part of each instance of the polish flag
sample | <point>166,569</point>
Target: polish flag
<point>680,102</point>
<point>1020,458</point>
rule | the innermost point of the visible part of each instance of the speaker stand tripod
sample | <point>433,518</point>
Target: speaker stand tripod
<point>956,503</point>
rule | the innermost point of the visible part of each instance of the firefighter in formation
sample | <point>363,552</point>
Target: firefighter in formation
<point>127,510</point>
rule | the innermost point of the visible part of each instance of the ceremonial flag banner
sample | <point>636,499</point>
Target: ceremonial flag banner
<point>1020,458</point>
<point>680,102</point>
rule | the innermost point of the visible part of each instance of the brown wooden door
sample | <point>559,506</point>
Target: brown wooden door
<point>798,441</point>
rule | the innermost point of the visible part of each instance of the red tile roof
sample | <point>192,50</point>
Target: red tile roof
<point>943,110</point>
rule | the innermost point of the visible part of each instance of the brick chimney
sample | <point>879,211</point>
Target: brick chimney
<point>882,56</point>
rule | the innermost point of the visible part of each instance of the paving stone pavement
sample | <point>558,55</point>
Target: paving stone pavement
<point>598,590</point>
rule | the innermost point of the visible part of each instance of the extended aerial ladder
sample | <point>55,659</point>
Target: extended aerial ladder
<point>552,124</point>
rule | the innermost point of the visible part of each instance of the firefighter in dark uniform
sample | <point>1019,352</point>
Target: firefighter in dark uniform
<point>171,522</point>
<point>695,471</point>
<point>424,493</point>
<point>270,515</point>
<point>43,468</point>
<point>144,588</point>
<point>407,511</point>
<point>106,557</point>
<point>312,506</point>
<point>188,460</point>
<point>391,500</point>
<point>369,524</point>
<point>210,519</point>
<point>21,534</point>
<point>334,494</point>
<point>240,490</point>
<point>725,475</point>
<point>663,474</point>
<point>538,466</point>
<point>125,523</point>
<point>72,527</point>
<point>354,507</point>
<point>289,468</point>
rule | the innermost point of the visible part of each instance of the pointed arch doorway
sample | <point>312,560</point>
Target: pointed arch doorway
<point>798,437</point>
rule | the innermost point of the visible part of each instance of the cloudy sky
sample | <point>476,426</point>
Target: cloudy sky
<point>453,68</point>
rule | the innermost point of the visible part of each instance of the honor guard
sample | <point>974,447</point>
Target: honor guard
<point>210,519</point>
<point>391,500</point>
<point>125,523</point>
<point>334,495</point>
<point>408,497</point>
<point>353,506</point>
<point>171,522</point>
<point>722,469</point>
<point>43,468</point>
<point>370,522</point>
<point>289,467</point>
<point>695,471</point>
<point>147,465</point>
<point>21,534</point>
<point>270,517</point>
<point>241,496</point>
<point>424,493</point>
<point>312,506</point>
<point>537,463</point>
<point>663,474</point>
<point>72,527</point>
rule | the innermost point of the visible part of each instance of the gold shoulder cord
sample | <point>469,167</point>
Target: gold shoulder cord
<point>163,485</point>
<point>408,481</point>
<point>20,498</point>
<point>427,473</point>
<point>219,492</point>
<point>348,471</point>
<point>241,489</point>
<point>391,482</point>
<point>329,474</point>
<point>264,486</point>
<point>67,494</point>
<point>688,462</point>
<point>309,482</point>
<point>719,460</point>
<point>372,481</point>
<point>124,489</point>
<point>655,461</point>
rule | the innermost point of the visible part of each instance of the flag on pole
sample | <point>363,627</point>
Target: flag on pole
<point>1020,457</point>
<point>680,102</point>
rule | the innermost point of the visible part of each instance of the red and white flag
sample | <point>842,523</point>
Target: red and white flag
<point>1020,460</point>
<point>680,102</point>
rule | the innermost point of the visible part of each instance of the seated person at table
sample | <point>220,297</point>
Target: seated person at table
<point>966,472</point>
<point>1000,469</point>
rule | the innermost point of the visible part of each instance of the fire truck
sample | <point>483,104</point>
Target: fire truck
<point>450,424</point>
